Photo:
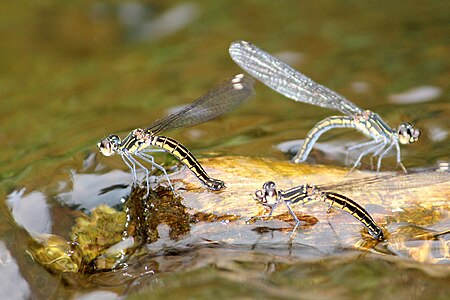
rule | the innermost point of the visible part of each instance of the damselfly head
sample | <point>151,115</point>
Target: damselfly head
<point>407,134</point>
<point>268,196</point>
<point>109,145</point>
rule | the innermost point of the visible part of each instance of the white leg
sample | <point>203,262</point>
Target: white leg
<point>375,153</point>
<point>146,150</point>
<point>147,173</point>
<point>362,145</point>
<point>383,154</point>
<point>365,152</point>
<point>294,216</point>
<point>130,165</point>
<point>150,159</point>
<point>399,161</point>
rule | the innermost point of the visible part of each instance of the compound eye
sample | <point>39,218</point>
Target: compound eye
<point>105,147</point>
<point>114,139</point>
<point>269,185</point>
<point>260,197</point>
<point>109,145</point>
<point>259,194</point>
<point>407,134</point>
<point>416,134</point>
<point>403,128</point>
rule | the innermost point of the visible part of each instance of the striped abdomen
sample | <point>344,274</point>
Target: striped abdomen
<point>316,132</point>
<point>188,159</point>
<point>355,210</point>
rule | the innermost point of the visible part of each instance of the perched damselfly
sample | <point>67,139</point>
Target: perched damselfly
<point>291,83</point>
<point>270,197</point>
<point>140,143</point>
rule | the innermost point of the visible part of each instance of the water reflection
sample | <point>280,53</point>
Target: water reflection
<point>206,272</point>
<point>30,211</point>
<point>95,28</point>
<point>360,87</point>
<point>91,190</point>
<point>420,244</point>
<point>97,295</point>
<point>12,284</point>
<point>142,22</point>
<point>149,29</point>
<point>437,133</point>
<point>335,150</point>
<point>417,95</point>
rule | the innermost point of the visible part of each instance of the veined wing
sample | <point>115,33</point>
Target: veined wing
<point>224,98</point>
<point>389,182</point>
<point>287,81</point>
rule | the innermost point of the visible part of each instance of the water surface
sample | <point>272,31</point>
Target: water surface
<point>70,74</point>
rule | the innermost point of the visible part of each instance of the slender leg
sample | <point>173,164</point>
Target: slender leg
<point>147,173</point>
<point>147,157</point>
<point>131,165</point>
<point>272,209</point>
<point>359,146</point>
<point>145,151</point>
<point>399,162</point>
<point>383,154</point>
<point>374,149</point>
<point>362,145</point>
<point>150,159</point>
<point>365,152</point>
<point>152,150</point>
<point>294,216</point>
<point>265,216</point>
<point>375,153</point>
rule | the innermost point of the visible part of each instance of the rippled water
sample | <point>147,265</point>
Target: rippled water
<point>70,74</point>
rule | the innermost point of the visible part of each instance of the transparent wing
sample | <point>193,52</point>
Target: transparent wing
<point>389,182</point>
<point>224,98</point>
<point>285,80</point>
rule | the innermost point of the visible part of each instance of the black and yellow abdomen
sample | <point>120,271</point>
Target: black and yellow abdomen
<point>354,209</point>
<point>188,159</point>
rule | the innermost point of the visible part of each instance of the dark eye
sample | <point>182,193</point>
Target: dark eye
<point>407,134</point>
<point>113,138</point>
<point>269,185</point>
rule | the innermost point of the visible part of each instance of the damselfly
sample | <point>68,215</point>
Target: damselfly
<point>141,143</point>
<point>270,197</point>
<point>289,82</point>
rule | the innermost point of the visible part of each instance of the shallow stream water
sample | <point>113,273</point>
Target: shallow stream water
<point>71,74</point>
